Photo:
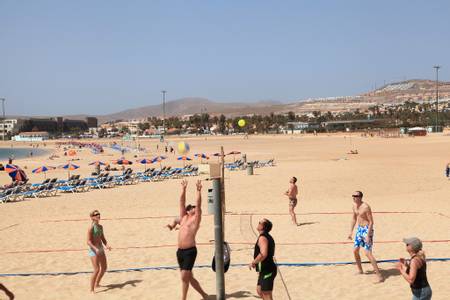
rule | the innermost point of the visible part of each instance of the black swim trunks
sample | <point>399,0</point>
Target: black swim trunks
<point>265,280</point>
<point>186,258</point>
<point>293,202</point>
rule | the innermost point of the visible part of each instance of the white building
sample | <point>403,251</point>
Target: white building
<point>7,127</point>
<point>37,136</point>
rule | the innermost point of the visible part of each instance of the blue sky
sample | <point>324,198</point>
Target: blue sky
<point>99,57</point>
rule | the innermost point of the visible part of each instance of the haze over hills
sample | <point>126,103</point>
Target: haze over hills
<point>399,92</point>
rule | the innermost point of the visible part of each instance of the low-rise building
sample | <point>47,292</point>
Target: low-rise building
<point>32,136</point>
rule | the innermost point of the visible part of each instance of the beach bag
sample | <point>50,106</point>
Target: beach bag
<point>226,258</point>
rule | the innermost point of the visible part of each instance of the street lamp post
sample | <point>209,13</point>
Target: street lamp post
<point>437,95</point>
<point>164,110</point>
<point>3,122</point>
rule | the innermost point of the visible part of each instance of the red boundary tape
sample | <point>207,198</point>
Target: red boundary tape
<point>236,214</point>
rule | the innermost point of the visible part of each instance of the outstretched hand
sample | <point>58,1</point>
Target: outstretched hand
<point>184,184</point>
<point>199,185</point>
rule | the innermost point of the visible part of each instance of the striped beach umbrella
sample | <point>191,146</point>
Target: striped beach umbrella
<point>70,167</point>
<point>159,159</point>
<point>16,173</point>
<point>201,156</point>
<point>184,158</point>
<point>145,161</point>
<point>43,169</point>
<point>123,161</point>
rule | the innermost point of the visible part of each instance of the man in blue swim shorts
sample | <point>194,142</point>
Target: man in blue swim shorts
<point>362,215</point>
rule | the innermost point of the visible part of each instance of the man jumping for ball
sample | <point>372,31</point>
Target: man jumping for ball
<point>190,218</point>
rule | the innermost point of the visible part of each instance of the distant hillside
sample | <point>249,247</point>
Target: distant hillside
<point>188,106</point>
<point>398,92</point>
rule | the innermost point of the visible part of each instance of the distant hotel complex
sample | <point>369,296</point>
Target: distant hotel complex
<point>37,129</point>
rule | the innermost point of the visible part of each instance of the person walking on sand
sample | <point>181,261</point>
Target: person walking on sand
<point>414,271</point>
<point>190,218</point>
<point>292,193</point>
<point>362,215</point>
<point>263,260</point>
<point>95,240</point>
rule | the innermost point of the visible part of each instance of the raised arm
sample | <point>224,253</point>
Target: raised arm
<point>198,206</point>
<point>183,199</point>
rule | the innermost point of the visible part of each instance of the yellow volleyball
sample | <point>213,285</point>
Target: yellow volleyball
<point>183,148</point>
<point>241,123</point>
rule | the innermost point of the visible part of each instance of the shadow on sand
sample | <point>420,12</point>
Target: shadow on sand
<point>119,285</point>
<point>307,223</point>
<point>240,294</point>
<point>386,273</point>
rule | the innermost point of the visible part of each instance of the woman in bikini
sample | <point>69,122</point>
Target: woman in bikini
<point>95,240</point>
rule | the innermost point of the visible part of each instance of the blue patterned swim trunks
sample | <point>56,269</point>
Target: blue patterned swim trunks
<point>360,238</point>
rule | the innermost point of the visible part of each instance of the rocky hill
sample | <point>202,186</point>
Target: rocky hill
<point>398,92</point>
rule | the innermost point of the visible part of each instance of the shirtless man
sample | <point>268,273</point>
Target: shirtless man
<point>292,195</point>
<point>364,233</point>
<point>190,218</point>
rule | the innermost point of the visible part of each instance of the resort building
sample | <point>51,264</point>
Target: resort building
<point>33,136</point>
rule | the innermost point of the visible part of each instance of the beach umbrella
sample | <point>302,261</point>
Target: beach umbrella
<point>70,167</point>
<point>145,162</point>
<point>201,156</point>
<point>159,158</point>
<point>16,173</point>
<point>217,154</point>
<point>234,154</point>
<point>97,163</point>
<point>43,169</point>
<point>72,152</point>
<point>184,158</point>
<point>123,161</point>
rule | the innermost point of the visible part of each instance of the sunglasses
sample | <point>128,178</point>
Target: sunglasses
<point>356,196</point>
<point>96,215</point>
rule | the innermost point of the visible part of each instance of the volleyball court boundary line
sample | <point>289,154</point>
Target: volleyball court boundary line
<point>211,244</point>
<point>241,214</point>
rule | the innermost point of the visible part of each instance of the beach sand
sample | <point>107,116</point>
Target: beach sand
<point>402,179</point>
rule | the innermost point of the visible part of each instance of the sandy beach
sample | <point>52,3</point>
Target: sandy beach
<point>402,179</point>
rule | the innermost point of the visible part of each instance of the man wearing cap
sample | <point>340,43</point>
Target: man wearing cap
<point>190,218</point>
<point>415,271</point>
<point>362,215</point>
